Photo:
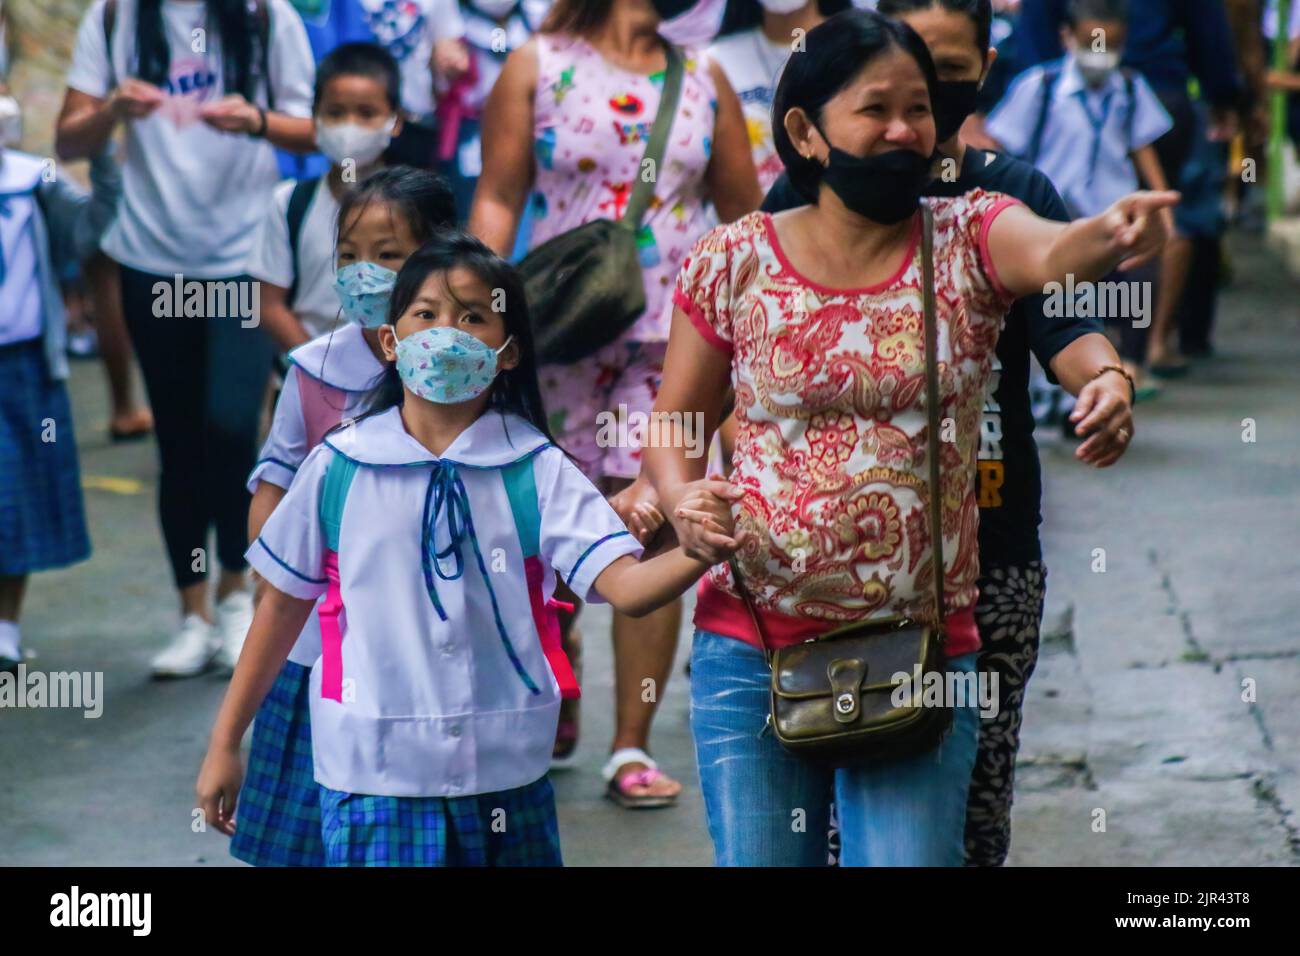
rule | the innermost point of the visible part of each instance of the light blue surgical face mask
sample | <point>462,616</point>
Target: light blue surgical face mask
<point>364,290</point>
<point>446,365</point>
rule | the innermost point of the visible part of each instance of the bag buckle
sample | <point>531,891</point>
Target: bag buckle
<point>846,676</point>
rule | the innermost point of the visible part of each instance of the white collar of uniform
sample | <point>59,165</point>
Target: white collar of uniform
<point>495,440</point>
<point>1072,82</point>
<point>341,359</point>
<point>19,172</point>
<point>480,30</point>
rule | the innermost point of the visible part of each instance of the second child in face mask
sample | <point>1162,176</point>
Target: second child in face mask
<point>356,110</point>
<point>381,222</point>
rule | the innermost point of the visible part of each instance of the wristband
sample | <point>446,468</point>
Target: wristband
<point>261,129</point>
<point>1132,386</point>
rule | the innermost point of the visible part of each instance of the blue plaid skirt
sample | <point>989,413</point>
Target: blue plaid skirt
<point>42,519</point>
<point>507,828</point>
<point>277,819</point>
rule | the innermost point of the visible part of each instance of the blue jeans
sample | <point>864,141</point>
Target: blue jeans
<point>769,808</point>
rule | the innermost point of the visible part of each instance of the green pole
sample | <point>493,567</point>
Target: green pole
<point>1277,128</point>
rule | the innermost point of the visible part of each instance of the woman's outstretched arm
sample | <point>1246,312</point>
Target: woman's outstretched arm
<point>1029,252</point>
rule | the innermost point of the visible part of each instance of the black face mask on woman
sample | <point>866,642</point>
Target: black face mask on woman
<point>885,188</point>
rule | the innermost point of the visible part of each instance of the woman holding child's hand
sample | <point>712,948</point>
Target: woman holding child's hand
<point>814,316</point>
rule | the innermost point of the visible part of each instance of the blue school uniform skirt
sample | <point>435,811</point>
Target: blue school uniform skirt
<point>42,519</point>
<point>507,828</point>
<point>277,818</point>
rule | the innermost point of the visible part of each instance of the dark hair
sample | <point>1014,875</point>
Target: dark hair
<point>1098,10</point>
<point>513,390</point>
<point>747,14</point>
<point>837,50</point>
<point>359,59</point>
<point>236,23</point>
<point>576,16</point>
<point>423,198</point>
<point>980,13</point>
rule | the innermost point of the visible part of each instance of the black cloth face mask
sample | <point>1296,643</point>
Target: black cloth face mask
<point>954,100</point>
<point>884,188</point>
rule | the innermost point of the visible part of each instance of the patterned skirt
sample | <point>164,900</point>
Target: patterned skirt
<point>277,819</point>
<point>507,828</point>
<point>42,519</point>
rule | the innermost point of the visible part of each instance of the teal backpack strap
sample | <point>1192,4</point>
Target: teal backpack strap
<point>334,493</point>
<point>521,489</point>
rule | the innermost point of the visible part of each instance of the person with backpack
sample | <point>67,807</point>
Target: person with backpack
<point>379,223</point>
<point>437,690</point>
<point>204,89</point>
<point>45,223</point>
<point>1090,125</point>
<point>357,110</point>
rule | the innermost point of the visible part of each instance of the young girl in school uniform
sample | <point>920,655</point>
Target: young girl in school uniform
<point>380,223</point>
<point>436,530</point>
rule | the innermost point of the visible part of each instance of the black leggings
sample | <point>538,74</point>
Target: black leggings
<point>206,378</point>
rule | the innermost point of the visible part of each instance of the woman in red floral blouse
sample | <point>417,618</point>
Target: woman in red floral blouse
<point>814,316</point>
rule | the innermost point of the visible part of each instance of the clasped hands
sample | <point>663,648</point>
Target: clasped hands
<point>699,512</point>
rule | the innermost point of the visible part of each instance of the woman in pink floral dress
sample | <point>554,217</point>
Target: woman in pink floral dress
<point>814,316</point>
<point>565,129</point>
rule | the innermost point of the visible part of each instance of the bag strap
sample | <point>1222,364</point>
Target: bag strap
<point>655,147</point>
<point>1050,75</point>
<point>333,495</point>
<point>521,490</point>
<point>110,23</point>
<point>932,407</point>
<point>932,443</point>
<point>299,199</point>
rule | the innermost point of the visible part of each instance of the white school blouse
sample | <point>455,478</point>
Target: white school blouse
<point>329,379</point>
<point>434,707</point>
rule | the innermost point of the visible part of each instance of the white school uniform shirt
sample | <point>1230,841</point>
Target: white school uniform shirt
<point>753,64</point>
<point>272,259</point>
<point>22,314</point>
<point>436,707</point>
<point>1081,123</point>
<point>344,364</point>
<point>191,195</point>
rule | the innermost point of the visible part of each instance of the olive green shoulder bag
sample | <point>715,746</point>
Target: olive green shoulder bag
<point>832,698</point>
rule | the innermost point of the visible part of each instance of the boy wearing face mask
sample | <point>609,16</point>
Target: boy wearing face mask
<point>357,114</point>
<point>1090,125</point>
<point>1084,121</point>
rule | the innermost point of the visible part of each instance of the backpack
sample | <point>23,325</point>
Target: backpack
<point>263,31</point>
<point>521,490</point>
<point>299,200</point>
<point>1051,74</point>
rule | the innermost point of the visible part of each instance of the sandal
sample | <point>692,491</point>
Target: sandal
<point>617,788</point>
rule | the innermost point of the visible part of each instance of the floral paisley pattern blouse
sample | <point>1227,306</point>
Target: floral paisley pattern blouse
<point>831,438</point>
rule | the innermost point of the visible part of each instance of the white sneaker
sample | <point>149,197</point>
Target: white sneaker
<point>190,651</point>
<point>234,617</point>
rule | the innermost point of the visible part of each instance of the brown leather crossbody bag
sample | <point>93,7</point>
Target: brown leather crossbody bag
<point>832,698</point>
